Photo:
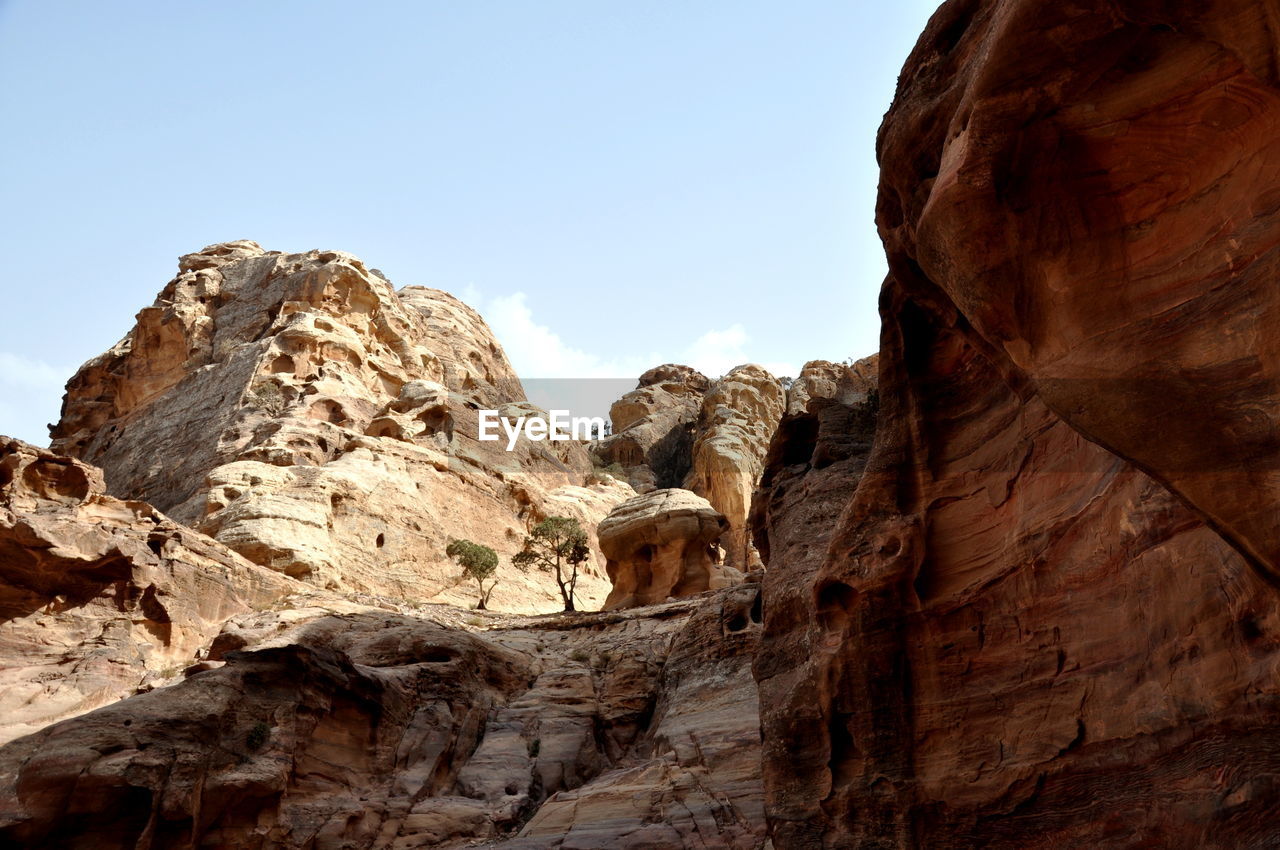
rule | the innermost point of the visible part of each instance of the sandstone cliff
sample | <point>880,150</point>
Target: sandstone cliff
<point>275,677</point>
<point>299,409</point>
<point>738,417</point>
<point>1047,617</point>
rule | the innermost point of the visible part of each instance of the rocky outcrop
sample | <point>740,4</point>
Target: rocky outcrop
<point>373,729</point>
<point>299,409</point>
<point>1040,623</point>
<point>653,427</point>
<point>821,380</point>
<point>663,544</point>
<point>738,418</point>
<point>101,597</point>
<point>811,471</point>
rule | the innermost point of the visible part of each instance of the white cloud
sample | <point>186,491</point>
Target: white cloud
<point>469,295</point>
<point>716,351</point>
<point>19,371</point>
<point>30,396</point>
<point>537,351</point>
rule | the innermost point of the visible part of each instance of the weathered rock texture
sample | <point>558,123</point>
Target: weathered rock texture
<point>299,409</point>
<point>101,597</point>
<point>653,427</point>
<point>373,729</point>
<point>1048,617</point>
<point>810,474</point>
<point>739,415</point>
<point>822,380</point>
<point>663,544</point>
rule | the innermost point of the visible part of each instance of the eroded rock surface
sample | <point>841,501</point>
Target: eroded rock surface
<point>738,418</point>
<point>663,544</point>
<point>1048,616</point>
<point>654,427</point>
<point>299,409</point>
<point>100,596</point>
<point>373,729</point>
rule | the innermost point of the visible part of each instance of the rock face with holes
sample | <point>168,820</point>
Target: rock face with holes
<point>739,415</point>
<point>299,409</point>
<point>1035,625</point>
<point>100,596</point>
<point>663,544</point>
<point>372,729</point>
<point>654,427</point>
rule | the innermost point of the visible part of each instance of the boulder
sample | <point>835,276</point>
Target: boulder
<point>663,544</point>
<point>653,427</point>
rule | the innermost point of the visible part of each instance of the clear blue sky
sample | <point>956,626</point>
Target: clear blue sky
<point>612,184</point>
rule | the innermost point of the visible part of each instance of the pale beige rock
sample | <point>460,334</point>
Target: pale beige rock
<point>739,415</point>
<point>663,544</point>
<point>653,427</point>
<point>376,520</point>
<point>299,409</point>
<point>844,383</point>
<point>101,597</point>
<point>371,729</point>
<point>693,778</point>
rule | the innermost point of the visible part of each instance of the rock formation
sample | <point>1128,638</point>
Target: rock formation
<point>663,544</point>
<point>1022,569</point>
<point>299,409</point>
<point>739,415</point>
<point>653,427</point>
<point>374,729</point>
<point>812,469</point>
<point>1047,617</point>
<point>276,677</point>
<point>822,380</point>
<point>100,596</point>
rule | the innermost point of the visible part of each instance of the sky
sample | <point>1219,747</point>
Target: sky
<point>612,184</point>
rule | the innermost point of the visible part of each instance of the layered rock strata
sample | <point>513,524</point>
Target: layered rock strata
<point>373,729</point>
<point>101,597</point>
<point>323,424</point>
<point>1047,617</point>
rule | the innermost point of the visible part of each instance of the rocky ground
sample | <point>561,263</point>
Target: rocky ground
<point>162,691</point>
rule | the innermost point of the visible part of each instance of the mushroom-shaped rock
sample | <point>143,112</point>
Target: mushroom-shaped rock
<point>663,544</point>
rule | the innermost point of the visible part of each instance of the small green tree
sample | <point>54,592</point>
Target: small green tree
<point>477,562</point>
<point>556,545</point>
